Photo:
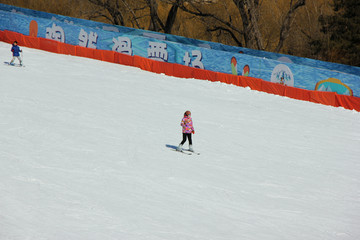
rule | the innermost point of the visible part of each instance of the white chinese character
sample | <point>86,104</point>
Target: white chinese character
<point>158,51</point>
<point>92,40</point>
<point>122,45</point>
<point>83,38</point>
<point>55,33</point>
<point>198,57</point>
<point>187,59</point>
<point>196,63</point>
<point>87,40</point>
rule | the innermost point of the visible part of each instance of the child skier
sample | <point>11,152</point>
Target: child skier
<point>16,53</point>
<point>187,130</point>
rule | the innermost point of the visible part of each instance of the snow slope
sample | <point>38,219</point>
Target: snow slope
<point>83,156</point>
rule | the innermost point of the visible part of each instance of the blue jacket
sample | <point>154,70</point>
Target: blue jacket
<point>16,50</point>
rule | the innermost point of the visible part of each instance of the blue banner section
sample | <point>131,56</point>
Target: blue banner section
<point>283,69</point>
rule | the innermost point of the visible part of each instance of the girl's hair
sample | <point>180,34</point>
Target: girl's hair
<point>187,113</point>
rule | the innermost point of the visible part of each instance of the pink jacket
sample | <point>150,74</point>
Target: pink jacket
<point>187,125</point>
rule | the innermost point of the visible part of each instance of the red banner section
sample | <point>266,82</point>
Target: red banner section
<point>177,70</point>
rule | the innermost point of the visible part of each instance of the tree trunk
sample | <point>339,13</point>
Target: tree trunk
<point>171,17</point>
<point>286,25</point>
<point>248,10</point>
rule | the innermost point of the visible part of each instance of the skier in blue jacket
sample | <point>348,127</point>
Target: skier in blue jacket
<point>16,53</point>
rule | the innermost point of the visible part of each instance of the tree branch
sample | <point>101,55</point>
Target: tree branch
<point>285,27</point>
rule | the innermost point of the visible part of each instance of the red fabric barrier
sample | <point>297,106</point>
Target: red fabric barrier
<point>297,93</point>
<point>108,56</point>
<point>204,74</point>
<point>158,67</point>
<point>143,63</point>
<point>67,49</point>
<point>273,88</point>
<point>98,55</point>
<point>348,102</point>
<point>2,36</point>
<point>168,68</point>
<point>32,42</point>
<point>84,52</point>
<point>182,71</point>
<point>253,83</point>
<point>326,98</point>
<point>49,45</point>
<point>228,78</point>
<point>10,37</point>
<point>173,69</point>
<point>123,59</point>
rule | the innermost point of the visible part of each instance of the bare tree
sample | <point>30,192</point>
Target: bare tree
<point>287,23</point>
<point>135,13</point>
<point>113,12</point>
<point>247,32</point>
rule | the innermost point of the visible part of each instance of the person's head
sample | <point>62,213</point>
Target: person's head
<point>15,43</point>
<point>187,114</point>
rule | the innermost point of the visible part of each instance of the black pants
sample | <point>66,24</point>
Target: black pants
<point>188,136</point>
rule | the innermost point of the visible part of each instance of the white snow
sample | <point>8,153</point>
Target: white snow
<point>83,156</point>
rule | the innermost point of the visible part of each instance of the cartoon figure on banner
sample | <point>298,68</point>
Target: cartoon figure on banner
<point>282,75</point>
<point>234,66</point>
<point>55,33</point>
<point>333,85</point>
<point>246,70</point>
<point>282,81</point>
<point>33,29</point>
<point>122,45</point>
<point>87,40</point>
<point>157,51</point>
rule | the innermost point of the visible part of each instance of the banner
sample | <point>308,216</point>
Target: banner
<point>284,70</point>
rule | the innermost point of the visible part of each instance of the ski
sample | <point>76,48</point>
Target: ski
<point>191,152</point>
<point>186,153</point>
<point>13,64</point>
<point>183,151</point>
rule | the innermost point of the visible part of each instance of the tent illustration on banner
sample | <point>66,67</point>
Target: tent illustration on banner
<point>333,85</point>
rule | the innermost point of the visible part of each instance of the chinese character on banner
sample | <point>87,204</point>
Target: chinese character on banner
<point>196,63</point>
<point>122,45</point>
<point>87,40</point>
<point>158,51</point>
<point>55,33</point>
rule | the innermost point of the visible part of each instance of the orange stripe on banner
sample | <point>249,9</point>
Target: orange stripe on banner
<point>178,70</point>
